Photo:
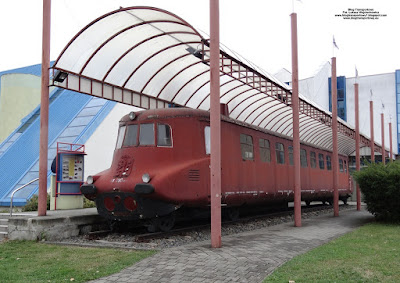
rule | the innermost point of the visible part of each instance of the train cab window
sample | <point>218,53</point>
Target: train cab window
<point>164,135</point>
<point>265,151</point>
<point>313,159</point>
<point>280,153</point>
<point>146,136</point>
<point>328,163</point>
<point>345,166</point>
<point>340,165</point>
<point>321,161</point>
<point>207,139</point>
<point>131,135</point>
<point>121,135</point>
<point>290,149</point>
<point>246,145</point>
<point>303,158</point>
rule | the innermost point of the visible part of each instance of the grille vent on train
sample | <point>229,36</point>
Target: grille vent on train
<point>194,175</point>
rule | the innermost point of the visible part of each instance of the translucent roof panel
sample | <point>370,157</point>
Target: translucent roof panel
<point>149,57</point>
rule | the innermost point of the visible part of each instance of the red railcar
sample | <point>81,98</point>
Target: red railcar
<point>161,163</point>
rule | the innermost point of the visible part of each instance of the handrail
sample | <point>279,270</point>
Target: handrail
<point>16,190</point>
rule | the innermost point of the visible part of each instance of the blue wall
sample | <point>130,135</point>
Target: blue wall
<point>341,97</point>
<point>398,107</point>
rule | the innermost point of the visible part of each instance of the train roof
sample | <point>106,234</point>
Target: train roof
<point>180,112</point>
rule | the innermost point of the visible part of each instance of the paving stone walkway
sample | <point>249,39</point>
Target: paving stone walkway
<point>245,257</point>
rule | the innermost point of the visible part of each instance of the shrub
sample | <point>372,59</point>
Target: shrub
<point>380,186</point>
<point>87,203</point>
<point>32,203</point>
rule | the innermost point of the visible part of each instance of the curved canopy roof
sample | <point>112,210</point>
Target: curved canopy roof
<point>148,57</point>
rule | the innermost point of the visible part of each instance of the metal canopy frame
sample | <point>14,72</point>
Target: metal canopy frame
<point>149,58</point>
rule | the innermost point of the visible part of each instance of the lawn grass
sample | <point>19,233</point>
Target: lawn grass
<point>27,261</point>
<point>368,254</point>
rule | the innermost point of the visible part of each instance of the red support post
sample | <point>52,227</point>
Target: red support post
<point>296,124</point>
<point>383,139</point>
<point>335,152</point>
<point>215,124</point>
<point>44,109</point>
<point>390,142</point>
<point>357,120</point>
<point>371,124</point>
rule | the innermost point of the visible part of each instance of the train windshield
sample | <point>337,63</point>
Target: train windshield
<point>164,135</point>
<point>121,134</point>
<point>131,136</point>
<point>144,135</point>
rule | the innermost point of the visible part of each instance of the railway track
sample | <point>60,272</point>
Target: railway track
<point>186,229</point>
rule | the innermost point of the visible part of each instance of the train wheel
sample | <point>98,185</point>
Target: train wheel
<point>344,200</point>
<point>308,202</point>
<point>152,225</point>
<point>165,223</point>
<point>114,225</point>
<point>233,213</point>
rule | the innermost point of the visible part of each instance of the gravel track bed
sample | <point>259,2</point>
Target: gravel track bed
<point>127,240</point>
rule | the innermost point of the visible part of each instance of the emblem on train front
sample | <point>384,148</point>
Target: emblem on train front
<point>124,167</point>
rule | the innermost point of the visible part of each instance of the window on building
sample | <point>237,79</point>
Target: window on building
<point>340,165</point>
<point>131,135</point>
<point>146,136</point>
<point>290,149</point>
<point>313,159</point>
<point>303,158</point>
<point>164,135</point>
<point>207,139</point>
<point>328,163</point>
<point>345,166</point>
<point>246,144</point>
<point>265,151</point>
<point>321,161</point>
<point>280,153</point>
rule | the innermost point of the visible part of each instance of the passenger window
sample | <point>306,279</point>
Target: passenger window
<point>246,144</point>
<point>164,135</point>
<point>328,163</point>
<point>207,139</point>
<point>265,152</point>
<point>313,159</point>
<point>340,165</point>
<point>303,158</point>
<point>290,149</point>
<point>131,136</point>
<point>146,136</point>
<point>121,134</point>
<point>321,161</point>
<point>280,153</point>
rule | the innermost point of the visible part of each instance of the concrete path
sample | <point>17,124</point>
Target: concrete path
<point>245,257</point>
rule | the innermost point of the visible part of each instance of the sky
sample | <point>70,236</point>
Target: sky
<point>259,30</point>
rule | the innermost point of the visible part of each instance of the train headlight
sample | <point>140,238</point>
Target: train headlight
<point>89,180</point>
<point>132,116</point>
<point>146,178</point>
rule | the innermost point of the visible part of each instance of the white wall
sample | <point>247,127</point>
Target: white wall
<point>100,146</point>
<point>384,92</point>
<point>317,88</point>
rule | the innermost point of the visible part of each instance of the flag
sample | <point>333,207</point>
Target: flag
<point>334,43</point>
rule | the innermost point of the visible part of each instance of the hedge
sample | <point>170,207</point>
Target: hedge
<point>380,185</point>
